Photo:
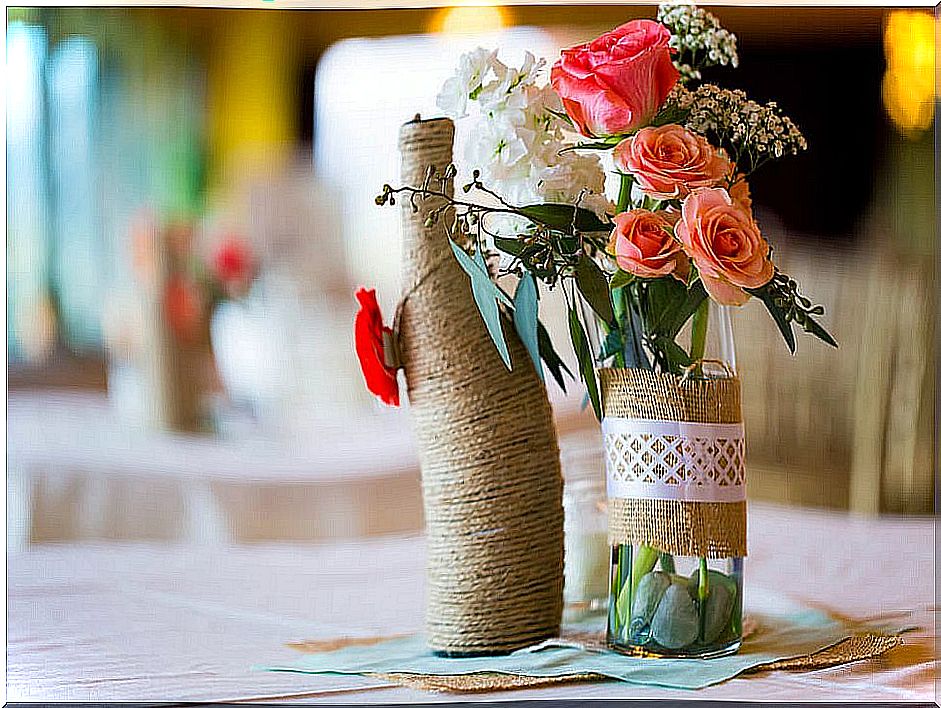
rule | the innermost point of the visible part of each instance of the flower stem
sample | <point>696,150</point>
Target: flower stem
<point>697,345</point>
<point>624,193</point>
<point>703,593</point>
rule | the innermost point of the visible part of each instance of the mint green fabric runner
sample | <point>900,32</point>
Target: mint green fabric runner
<point>783,630</point>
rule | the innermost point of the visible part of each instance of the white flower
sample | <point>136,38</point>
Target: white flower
<point>518,139</point>
<point>472,70</point>
<point>498,146</point>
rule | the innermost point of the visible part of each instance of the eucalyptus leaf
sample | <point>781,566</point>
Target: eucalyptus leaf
<point>476,268</point>
<point>490,312</point>
<point>526,318</point>
<point>665,299</point>
<point>486,296</point>
<point>585,363</point>
<point>593,285</point>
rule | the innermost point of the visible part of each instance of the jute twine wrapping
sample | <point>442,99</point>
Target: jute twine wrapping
<point>491,476</point>
<point>711,529</point>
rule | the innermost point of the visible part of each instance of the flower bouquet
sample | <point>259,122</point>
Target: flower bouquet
<point>642,277</point>
<point>194,285</point>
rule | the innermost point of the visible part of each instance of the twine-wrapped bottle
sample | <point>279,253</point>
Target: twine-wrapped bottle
<point>489,455</point>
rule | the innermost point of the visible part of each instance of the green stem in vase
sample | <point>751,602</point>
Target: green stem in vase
<point>617,303</point>
<point>619,609</point>
<point>646,560</point>
<point>697,344</point>
<point>703,593</point>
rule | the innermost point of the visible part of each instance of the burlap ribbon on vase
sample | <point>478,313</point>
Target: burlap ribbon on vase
<point>491,476</point>
<point>675,457</point>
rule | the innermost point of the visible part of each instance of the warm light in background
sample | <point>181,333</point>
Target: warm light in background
<point>908,88</point>
<point>470,18</point>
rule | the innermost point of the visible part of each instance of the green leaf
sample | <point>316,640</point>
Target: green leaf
<point>593,285</point>
<point>670,114</point>
<point>513,246</point>
<point>526,318</point>
<point>585,364</point>
<point>612,345</point>
<point>665,297</point>
<point>674,352</point>
<point>560,216</point>
<point>551,357</point>
<point>620,279</point>
<point>811,326</point>
<point>695,295</point>
<point>766,295</point>
<point>587,146</point>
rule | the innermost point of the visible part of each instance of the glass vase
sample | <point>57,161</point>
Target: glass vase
<point>663,605</point>
<point>674,451</point>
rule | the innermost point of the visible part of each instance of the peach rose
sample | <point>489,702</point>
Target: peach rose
<point>724,242</point>
<point>617,82</point>
<point>669,161</point>
<point>741,193</point>
<point>643,245</point>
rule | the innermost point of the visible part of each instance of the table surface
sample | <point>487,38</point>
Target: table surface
<point>120,622</point>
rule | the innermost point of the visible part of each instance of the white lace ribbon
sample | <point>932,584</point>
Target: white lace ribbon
<point>665,459</point>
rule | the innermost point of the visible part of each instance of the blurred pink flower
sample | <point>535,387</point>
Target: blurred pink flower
<point>233,265</point>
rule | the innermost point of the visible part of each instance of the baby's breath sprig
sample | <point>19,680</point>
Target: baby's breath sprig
<point>751,133</point>
<point>699,39</point>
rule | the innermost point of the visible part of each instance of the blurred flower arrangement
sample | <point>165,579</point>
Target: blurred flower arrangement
<point>681,231</point>
<point>196,283</point>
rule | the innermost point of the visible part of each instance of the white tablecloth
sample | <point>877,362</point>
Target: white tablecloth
<point>129,622</point>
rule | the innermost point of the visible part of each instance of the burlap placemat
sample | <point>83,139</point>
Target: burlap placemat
<point>860,646</point>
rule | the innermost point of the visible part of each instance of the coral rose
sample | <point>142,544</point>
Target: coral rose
<point>371,338</point>
<point>669,161</point>
<point>617,82</point>
<point>740,193</point>
<point>724,242</point>
<point>643,245</point>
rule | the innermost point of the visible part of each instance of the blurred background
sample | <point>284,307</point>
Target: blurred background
<point>190,207</point>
